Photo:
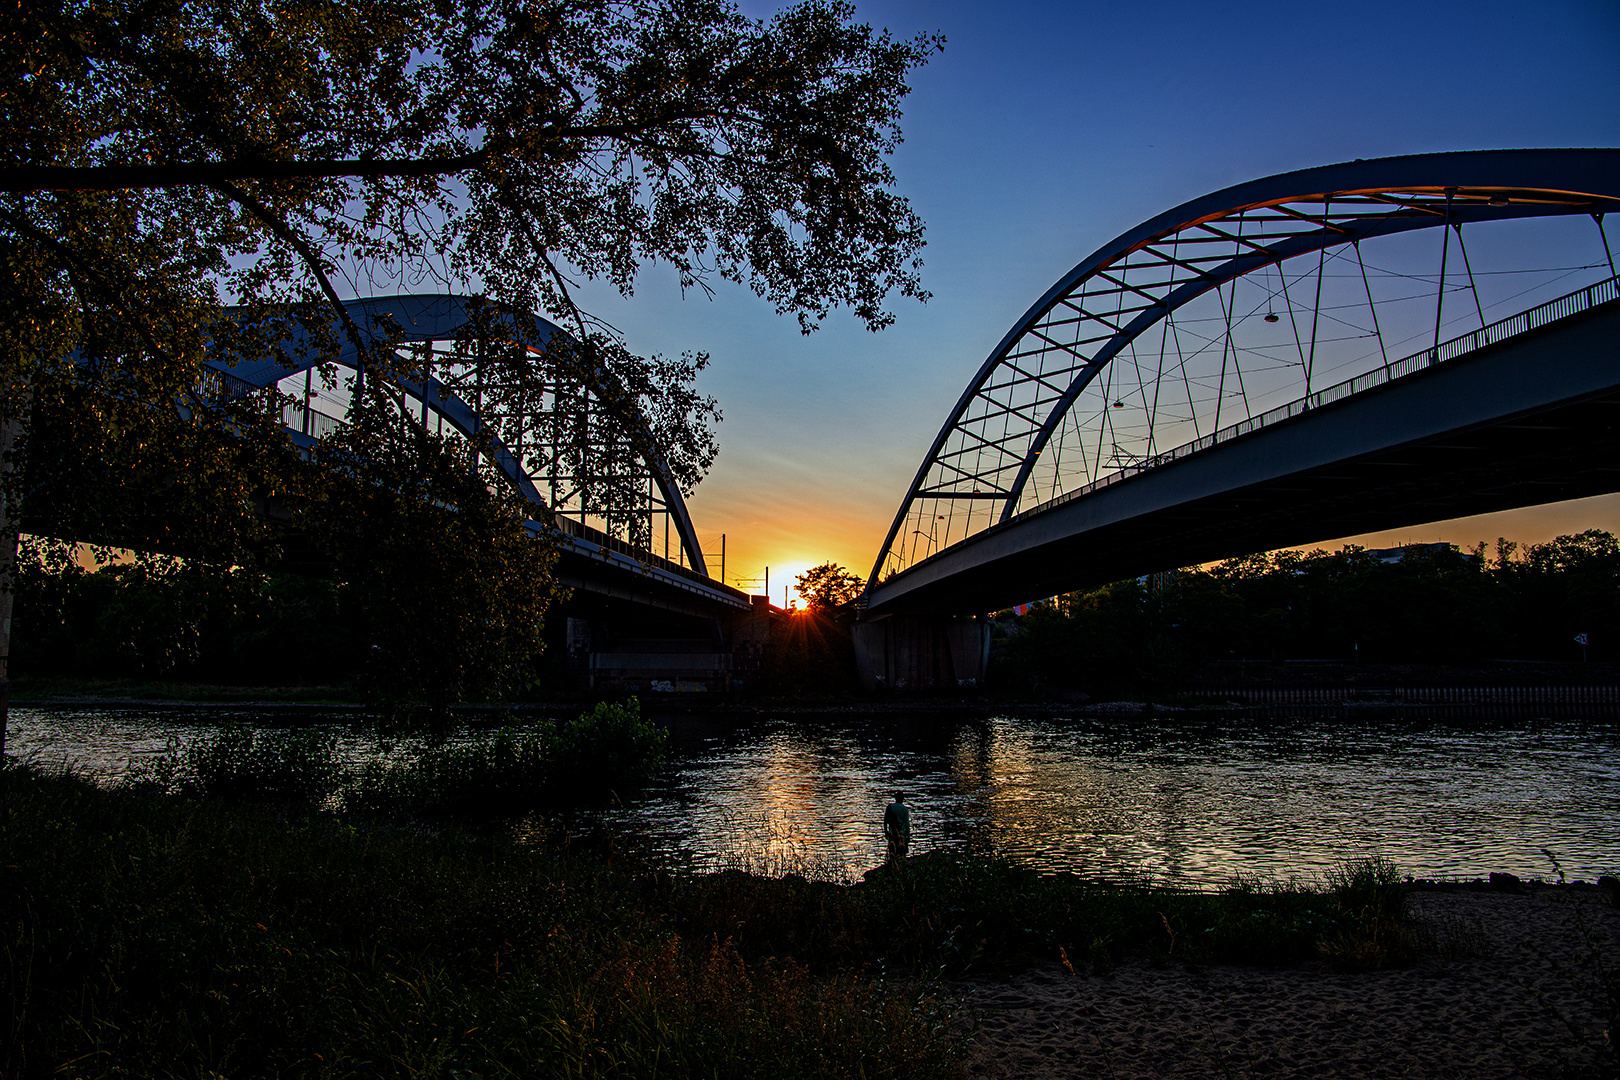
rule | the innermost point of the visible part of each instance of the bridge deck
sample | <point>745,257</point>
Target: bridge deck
<point>1517,414</point>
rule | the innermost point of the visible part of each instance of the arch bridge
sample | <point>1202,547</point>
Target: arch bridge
<point>645,606</point>
<point>1345,349</point>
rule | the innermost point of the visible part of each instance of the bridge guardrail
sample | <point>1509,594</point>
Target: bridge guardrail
<point>601,539</point>
<point>320,424</point>
<point>1586,299</point>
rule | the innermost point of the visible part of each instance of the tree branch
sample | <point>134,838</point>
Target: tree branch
<point>213,173</point>
<point>312,262</point>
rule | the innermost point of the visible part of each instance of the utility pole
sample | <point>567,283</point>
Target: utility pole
<point>710,554</point>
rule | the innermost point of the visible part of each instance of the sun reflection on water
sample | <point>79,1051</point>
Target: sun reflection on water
<point>1178,801</point>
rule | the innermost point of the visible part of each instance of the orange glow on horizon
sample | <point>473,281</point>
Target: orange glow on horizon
<point>798,537</point>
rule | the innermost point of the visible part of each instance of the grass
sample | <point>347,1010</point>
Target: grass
<point>947,914</point>
<point>169,937</point>
<point>250,910</point>
<point>482,776</point>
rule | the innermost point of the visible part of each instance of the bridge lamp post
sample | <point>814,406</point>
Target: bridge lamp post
<point>932,543</point>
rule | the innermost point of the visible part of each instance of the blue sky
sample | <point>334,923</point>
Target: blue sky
<point>1043,131</point>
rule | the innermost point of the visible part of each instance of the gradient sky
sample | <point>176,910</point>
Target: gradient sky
<point>1043,131</point>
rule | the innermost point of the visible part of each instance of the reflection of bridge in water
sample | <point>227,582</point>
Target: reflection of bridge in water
<point>586,460</point>
<point>1163,404</point>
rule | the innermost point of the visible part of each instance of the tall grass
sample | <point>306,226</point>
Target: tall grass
<point>605,754</point>
<point>172,928</point>
<point>168,937</point>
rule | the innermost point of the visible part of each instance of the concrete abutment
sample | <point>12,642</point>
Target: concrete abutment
<point>912,652</point>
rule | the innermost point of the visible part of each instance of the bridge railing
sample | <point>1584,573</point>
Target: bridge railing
<point>598,538</point>
<point>320,424</point>
<point>1586,299</point>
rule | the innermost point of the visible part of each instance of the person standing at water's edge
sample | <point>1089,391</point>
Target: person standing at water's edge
<point>897,827</point>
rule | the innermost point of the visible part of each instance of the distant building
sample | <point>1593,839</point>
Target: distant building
<point>1396,554</point>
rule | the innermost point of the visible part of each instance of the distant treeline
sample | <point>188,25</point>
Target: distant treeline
<point>169,619</point>
<point>1434,604</point>
<point>160,618</point>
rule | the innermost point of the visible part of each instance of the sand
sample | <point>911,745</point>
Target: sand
<point>1525,1003</point>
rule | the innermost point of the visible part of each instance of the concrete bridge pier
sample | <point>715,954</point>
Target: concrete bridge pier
<point>919,652</point>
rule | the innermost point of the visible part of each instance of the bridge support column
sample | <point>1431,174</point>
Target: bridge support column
<point>909,652</point>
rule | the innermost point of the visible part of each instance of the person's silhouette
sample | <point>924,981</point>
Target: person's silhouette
<point>897,827</point>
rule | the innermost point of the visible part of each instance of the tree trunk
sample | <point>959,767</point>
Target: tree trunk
<point>14,409</point>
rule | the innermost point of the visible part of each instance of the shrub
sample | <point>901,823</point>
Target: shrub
<point>294,767</point>
<point>610,751</point>
<point>497,774</point>
<point>176,938</point>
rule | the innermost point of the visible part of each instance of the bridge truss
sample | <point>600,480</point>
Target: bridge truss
<point>1251,300</point>
<point>570,441</point>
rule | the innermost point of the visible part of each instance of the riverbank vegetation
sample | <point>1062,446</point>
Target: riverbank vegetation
<point>261,908</point>
<point>159,627</point>
<point>420,774</point>
<point>167,937</point>
<point>1427,605</point>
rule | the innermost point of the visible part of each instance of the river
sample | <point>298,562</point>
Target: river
<point>1196,802</point>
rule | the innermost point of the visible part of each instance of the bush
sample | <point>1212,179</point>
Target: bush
<point>293,767</point>
<point>495,774</point>
<point>950,913</point>
<point>608,752</point>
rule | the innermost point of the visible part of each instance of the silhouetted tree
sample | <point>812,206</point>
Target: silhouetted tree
<point>1433,605</point>
<point>829,586</point>
<point>160,159</point>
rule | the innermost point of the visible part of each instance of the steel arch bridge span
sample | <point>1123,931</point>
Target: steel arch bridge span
<point>437,338</point>
<point>1157,340</point>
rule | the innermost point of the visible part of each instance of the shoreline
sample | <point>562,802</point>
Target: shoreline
<point>980,708</point>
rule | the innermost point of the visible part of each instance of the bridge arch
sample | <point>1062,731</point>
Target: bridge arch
<point>442,334</point>
<point>1045,414</point>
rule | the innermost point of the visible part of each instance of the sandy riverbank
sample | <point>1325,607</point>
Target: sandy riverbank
<point>1526,1004</point>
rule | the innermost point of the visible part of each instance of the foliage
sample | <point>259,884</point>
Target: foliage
<point>829,586</point>
<point>295,768</point>
<point>160,617</point>
<point>169,938</point>
<point>606,754</point>
<point>438,590</point>
<point>160,158</point>
<point>515,140</point>
<point>478,775</point>
<point>158,161</point>
<point>1433,605</point>
<point>951,913</point>
<point>612,748</point>
<point>808,653</point>
<point>443,578</point>
<point>486,775</point>
<point>106,467</point>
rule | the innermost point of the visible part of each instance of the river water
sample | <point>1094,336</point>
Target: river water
<point>1179,801</point>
